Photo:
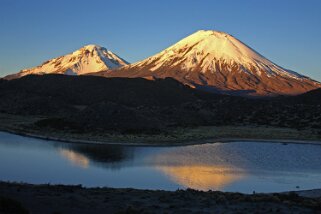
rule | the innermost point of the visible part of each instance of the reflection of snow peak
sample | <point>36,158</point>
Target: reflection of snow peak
<point>75,158</point>
<point>201,177</point>
<point>202,167</point>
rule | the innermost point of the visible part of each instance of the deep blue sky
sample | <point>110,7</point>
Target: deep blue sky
<point>288,32</point>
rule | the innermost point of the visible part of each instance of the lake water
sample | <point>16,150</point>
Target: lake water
<point>236,166</point>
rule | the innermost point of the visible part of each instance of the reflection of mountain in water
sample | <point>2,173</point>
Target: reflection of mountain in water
<point>214,166</point>
<point>75,158</point>
<point>200,167</point>
<point>251,156</point>
<point>207,166</point>
<point>202,177</point>
<point>110,156</point>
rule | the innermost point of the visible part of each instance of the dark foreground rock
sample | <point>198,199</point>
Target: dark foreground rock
<point>76,199</point>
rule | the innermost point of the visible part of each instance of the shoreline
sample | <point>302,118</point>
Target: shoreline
<point>178,136</point>
<point>158,143</point>
<point>309,193</point>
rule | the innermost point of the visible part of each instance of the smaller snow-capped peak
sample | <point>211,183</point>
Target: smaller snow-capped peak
<point>88,59</point>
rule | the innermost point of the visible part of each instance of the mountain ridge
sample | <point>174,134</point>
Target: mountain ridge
<point>210,60</point>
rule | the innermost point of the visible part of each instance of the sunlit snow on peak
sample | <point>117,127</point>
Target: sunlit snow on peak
<point>88,59</point>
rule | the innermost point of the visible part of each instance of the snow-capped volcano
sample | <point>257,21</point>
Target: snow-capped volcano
<point>216,60</point>
<point>88,59</point>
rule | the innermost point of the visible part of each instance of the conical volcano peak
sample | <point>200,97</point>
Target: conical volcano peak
<point>90,49</point>
<point>205,35</point>
<point>92,46</point>
<point>217,45</point>
<point>209,33</point>
<point>215,59</point>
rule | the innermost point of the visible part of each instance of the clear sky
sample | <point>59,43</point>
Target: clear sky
<point>288,32</point>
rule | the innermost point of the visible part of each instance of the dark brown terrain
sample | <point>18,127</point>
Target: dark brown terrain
<point>121,105</point>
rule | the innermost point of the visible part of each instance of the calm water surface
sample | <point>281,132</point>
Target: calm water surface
<point>238,166</point>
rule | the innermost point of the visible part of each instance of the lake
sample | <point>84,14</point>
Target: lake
<point>236,166</point>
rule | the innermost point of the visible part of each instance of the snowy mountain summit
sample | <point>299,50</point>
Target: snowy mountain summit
<point>218,61</point>
<point>88,59</point>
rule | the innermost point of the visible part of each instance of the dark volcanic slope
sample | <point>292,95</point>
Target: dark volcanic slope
<point>311,97</point>
<point>122,105</point>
